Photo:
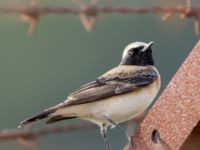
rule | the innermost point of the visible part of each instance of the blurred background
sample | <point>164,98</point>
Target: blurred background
<point>39,71</point>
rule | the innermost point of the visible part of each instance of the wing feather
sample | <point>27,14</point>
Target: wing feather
<point>111,85</point>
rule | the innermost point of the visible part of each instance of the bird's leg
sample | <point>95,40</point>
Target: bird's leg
<point>123,130</point>
<point>103,130</point>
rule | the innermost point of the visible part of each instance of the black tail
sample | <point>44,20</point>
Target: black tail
<point>41,115</point>
<point>37,117</point>
<point>58,118</point>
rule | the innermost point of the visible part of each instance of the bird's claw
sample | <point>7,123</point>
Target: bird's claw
<point>129,143</point>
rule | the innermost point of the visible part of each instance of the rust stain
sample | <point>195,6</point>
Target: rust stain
<point>193,141</point>
<point>176,112</point>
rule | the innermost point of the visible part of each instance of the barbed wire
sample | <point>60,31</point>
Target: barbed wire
<point>89,12</point>
<point>28,137</point>
<point>94,10</point>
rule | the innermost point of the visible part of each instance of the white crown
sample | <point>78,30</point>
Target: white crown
<point>133,45</point>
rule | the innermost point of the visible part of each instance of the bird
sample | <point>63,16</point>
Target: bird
<point>119,95</point>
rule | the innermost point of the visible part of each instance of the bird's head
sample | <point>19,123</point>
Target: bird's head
<point>138,53</point>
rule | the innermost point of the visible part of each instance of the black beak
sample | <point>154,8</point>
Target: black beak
<point>147,46</point>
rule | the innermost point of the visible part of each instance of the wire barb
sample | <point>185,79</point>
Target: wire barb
<point>89,15</point>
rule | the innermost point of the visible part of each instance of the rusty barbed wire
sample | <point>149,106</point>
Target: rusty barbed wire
<point>33,13</point>
<point>93,10</point>
<point>12,134</point>
<point>27,137</point>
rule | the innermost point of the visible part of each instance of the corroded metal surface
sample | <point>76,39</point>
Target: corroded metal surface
<point>176,112</point>
<point>193,141</point>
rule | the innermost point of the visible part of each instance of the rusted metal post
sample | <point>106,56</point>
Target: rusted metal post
<point>176,112</point>
<point>193,141</point>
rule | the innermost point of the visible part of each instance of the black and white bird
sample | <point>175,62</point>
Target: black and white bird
<point>121,94</point>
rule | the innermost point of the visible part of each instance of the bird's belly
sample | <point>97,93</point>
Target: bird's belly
<point>123,107</point>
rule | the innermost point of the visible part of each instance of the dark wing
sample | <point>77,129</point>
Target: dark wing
<point>107,87</point>
<point>88,86</point>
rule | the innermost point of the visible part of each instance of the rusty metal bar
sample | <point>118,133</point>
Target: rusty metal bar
<point>176,112</point>
<point>193,141</point>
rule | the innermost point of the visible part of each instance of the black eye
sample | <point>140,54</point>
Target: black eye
<point>135,51</point>
<point>130,52</point>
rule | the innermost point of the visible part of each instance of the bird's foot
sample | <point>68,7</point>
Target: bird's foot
<point>130,142</point>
